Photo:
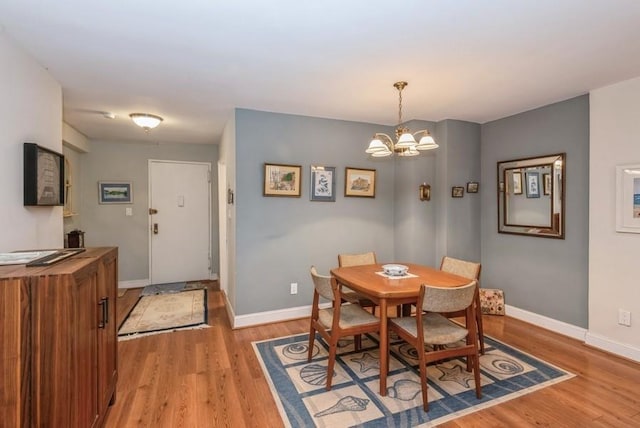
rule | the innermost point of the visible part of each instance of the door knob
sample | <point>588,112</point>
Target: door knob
<point>153,211</point>
<point>155,228</point>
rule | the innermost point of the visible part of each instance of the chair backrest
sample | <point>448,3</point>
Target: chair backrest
<point>322,284</point>
<point>447,299</point>
<point>464,268</point>
<point>357,259</point>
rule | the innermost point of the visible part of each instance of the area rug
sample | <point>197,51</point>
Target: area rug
<point>298,387</point>
<point>163,313</point>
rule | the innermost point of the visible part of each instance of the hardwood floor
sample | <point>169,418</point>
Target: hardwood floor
<point>212,378</point>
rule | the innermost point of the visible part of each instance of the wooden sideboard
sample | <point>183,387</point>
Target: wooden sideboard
<point>58,363</point>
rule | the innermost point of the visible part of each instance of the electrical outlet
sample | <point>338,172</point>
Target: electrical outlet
<point>624,317</point>
<point>294,288</point>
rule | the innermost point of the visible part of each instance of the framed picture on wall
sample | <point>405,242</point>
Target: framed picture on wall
<point>628,198</point>
<point>323,183</point>
<point>546,180</point>
<point>517,183</point>
<point>472,187</point>
<point>457,192</point>
<point>360,182</point>
<point>115,192</point>
<point>281,180</point>
<point>533,184</point>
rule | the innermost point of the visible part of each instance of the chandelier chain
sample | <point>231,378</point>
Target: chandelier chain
<point>399,106</point>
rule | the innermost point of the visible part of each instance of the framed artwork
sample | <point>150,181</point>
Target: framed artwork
<point>628,198</point>
<point>533,184</point>
<point>43,176</point>
<point>282,180</point>
<point>517,183</point>
<point>457,192</point>
<point>360,182</point>
<point>472,187</point>
<point>323,183</point>
<point>115,192</point>
<point>546,181</point>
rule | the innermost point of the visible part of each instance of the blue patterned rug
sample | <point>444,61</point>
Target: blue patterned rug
<point>298,386</point>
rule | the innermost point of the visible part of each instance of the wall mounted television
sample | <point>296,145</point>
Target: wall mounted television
<point>43,176</point>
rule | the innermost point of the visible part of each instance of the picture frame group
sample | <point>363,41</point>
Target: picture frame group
<point>285,180</point>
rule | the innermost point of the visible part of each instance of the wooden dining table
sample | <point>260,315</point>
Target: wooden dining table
<point>388,292</point>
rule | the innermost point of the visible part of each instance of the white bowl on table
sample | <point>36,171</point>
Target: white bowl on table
<point>395,270</point>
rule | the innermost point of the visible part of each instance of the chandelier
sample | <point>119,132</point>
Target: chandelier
<point>405,145</point>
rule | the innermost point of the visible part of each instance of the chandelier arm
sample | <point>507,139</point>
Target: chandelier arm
<point>386,140</point>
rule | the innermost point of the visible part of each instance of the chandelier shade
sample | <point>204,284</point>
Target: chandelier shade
<point>146,121</point>
<point>383,145</point>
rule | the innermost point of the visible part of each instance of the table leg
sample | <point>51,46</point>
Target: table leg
<point>384,347</point>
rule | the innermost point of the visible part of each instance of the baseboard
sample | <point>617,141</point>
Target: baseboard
<point>136,283</point>
<point>612,346</point>
<point>229,309</point>
<point>560,327</point>
<point>268,317</point>
<point>213,276</point>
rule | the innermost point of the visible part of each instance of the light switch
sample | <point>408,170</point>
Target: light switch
<point>128,211</point>
<point>181,201</point>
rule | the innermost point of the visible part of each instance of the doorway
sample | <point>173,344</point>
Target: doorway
<point>179,221</point>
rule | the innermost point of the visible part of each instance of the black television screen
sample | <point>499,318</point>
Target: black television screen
<point>43,176</point>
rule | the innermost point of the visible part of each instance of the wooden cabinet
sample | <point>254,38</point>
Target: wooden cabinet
<point>57,327</point>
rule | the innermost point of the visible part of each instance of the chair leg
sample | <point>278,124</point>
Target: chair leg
<point>333,347</point>
<point>312,338</point>
<point>357,341</point>
<point>476,375</point>
<point>423,382</point>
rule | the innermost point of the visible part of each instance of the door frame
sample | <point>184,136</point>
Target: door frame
<point>150,217</point>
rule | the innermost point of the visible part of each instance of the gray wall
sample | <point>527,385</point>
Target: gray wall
<point>460,164</point>
<point>107,225</point>
<point>545,276</point>
<point>279,238</point>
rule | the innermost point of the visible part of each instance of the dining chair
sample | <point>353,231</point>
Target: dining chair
<point>349,295</point>
<point>358,260</point>
<point>340,320</point>
<point>469,270</point>
<point>429,327</point>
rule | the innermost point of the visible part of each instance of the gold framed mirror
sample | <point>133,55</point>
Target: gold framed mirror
<point>531,197</point>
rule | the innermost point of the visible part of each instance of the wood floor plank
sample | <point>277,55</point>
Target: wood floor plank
<point>212,378</point>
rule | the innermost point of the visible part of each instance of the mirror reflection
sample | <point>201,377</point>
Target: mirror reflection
<point>530,196</point>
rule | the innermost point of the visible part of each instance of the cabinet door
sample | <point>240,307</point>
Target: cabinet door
<point>64,372</point>
<point>107,331</point>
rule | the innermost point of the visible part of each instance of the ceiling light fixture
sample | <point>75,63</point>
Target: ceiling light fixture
<point>146,121</point>
<point>382,145</point>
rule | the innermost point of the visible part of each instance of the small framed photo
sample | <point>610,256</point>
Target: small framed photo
<point>517,183</point>
<point>533,184</point>
<point>323,183</point>
<point>360,182</point>
<point>628,198</point>
<point>282,180</point>
<point>472,187</point>
<point>457,192</point>
<point>546,181</point>
<point>115,192</point>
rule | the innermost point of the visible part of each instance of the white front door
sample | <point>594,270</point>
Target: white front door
<point>179,221</point>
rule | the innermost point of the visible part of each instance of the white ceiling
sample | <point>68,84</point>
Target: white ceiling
<point>193,61</point>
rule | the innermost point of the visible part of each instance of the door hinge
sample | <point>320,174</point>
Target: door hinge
<point>209,176</point>
<point>209,262</point>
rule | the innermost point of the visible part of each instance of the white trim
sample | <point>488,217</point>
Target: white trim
<point>612,346</point>
<point>274,316</point>
<point>548,323</point>
<point>213,276</point>
<point>227,304</point>
<point>136,283</point>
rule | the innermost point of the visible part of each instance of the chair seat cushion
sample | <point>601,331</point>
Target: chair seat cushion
<point>438,330</point>
<point>350,316</point>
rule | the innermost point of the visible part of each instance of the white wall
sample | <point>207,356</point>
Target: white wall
<point>30,111</point>
<point>613,256</point>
